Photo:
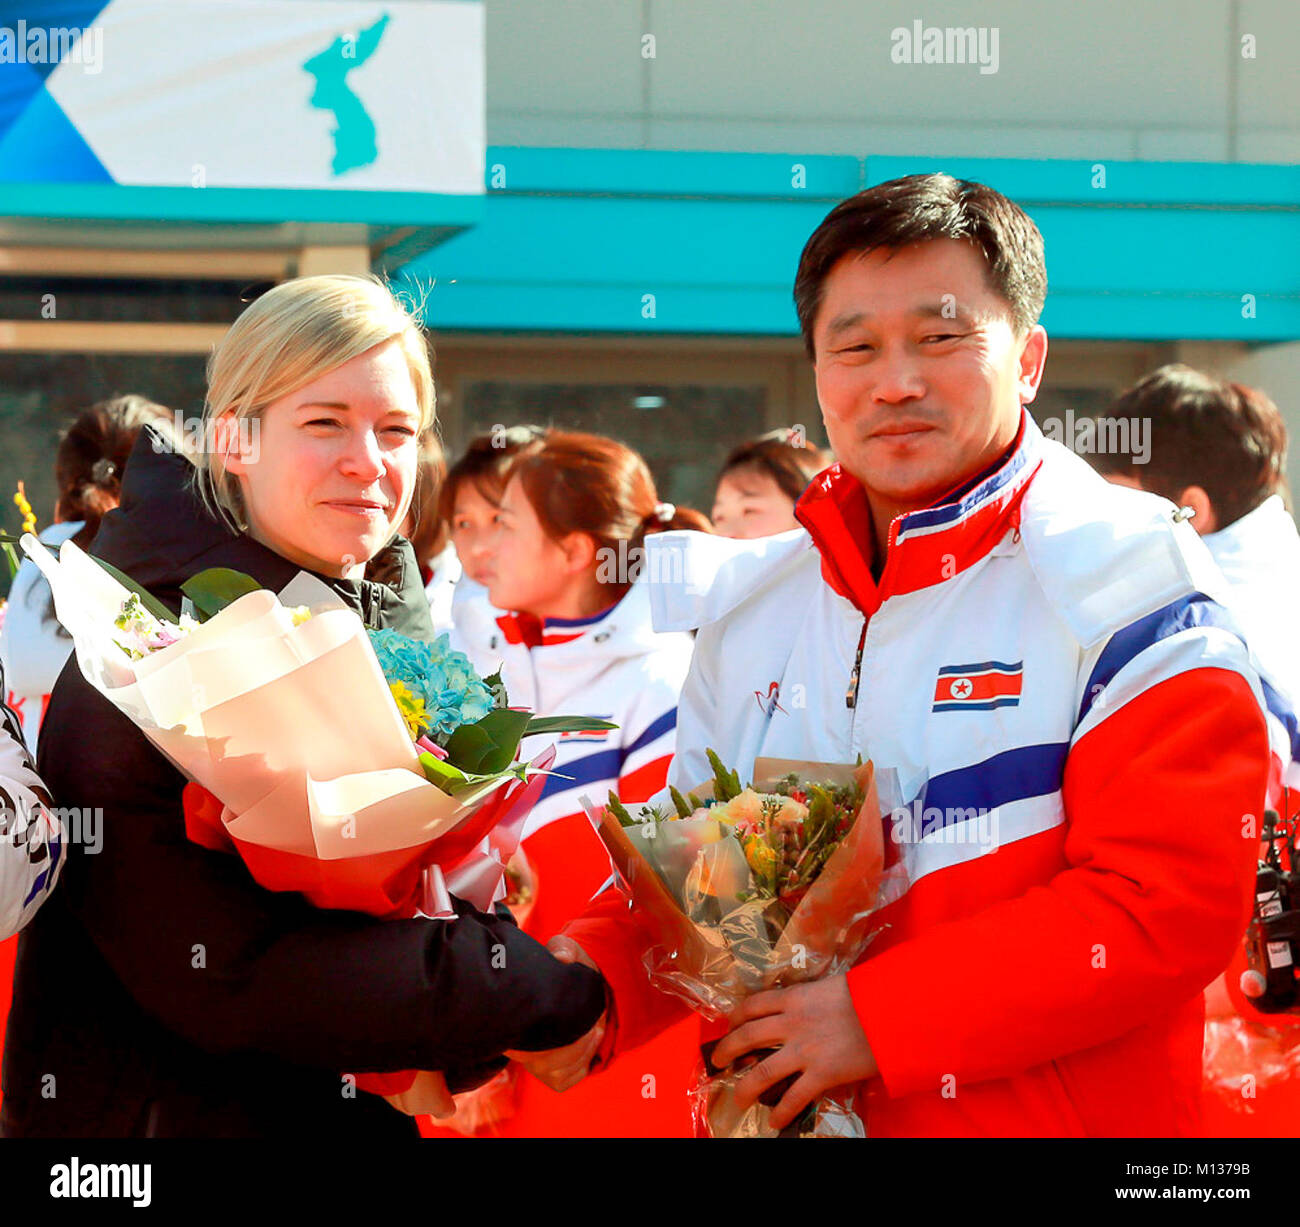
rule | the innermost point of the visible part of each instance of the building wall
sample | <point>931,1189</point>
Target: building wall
<point>1119,79</point>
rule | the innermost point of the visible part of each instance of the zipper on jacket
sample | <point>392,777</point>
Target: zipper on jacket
<point>851,696</point>
<point>369,603</point>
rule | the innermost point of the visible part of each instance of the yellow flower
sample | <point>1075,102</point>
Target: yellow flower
<point>411,707</point>
<point>761,858</point>
<point>300,614</point>
<point>29,516</point>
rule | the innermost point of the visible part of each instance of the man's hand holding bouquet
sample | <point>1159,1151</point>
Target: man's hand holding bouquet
<point>749,889</point>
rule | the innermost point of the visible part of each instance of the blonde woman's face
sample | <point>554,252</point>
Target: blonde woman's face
<point>331,470</point>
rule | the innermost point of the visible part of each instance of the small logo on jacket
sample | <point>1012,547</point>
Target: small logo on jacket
<point>770,702</point>
<point>980,687</point>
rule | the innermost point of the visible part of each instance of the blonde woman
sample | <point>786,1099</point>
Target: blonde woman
<point>160,991</point>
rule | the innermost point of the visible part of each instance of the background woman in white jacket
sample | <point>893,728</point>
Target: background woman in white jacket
<point>468,504</point>
<point>88,468</point>
<point>571,525</point>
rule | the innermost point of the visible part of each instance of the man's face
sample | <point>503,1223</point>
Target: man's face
<point>919,370</point>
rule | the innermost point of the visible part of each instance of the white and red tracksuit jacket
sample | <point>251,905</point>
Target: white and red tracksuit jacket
<point>31,838</point>
<point>612,666</point>
<point>1044,647</point>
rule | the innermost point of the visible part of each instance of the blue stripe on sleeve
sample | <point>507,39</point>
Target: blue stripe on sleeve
<point>1013,775</point>
<point>1196,609</point>
<point>1277,706</point>
<point>602,766</point>
<point>656,730</point>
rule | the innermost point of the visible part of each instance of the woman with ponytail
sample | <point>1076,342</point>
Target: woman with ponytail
<point>88,468</point>
<point>574,515</point>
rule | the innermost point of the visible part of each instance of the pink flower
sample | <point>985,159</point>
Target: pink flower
<point>431,747</point>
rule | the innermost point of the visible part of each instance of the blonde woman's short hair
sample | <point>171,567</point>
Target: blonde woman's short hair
<point>290,336</point>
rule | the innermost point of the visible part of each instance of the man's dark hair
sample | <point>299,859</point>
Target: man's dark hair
<point>1224,437</point>
<point>916,209</point>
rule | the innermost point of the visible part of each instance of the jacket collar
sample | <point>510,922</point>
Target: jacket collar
<point>926,546</point>
<point>535,632</point>
<point>622,629</point>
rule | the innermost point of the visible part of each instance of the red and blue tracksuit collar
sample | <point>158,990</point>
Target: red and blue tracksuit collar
<point>535,632</point>
<point>925,546</point>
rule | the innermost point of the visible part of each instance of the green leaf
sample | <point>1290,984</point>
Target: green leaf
<point>451,780</point>
<point>683,808</point>
<point>440,772</point>
<point>212,590</point>
<point>488,745</point>
<point>565,724</point>
<point>726,784</point>
<point>12,556</point>
<point>619,810</point>
<point>468,745</point>
<point>498,688</point>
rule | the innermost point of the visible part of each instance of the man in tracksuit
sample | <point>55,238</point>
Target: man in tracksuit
<point>1219,447</point>
<point>973,607</point>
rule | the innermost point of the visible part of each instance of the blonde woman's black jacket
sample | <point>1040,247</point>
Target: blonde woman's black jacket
<point>161,991</point>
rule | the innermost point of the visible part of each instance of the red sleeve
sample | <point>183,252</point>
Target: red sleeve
<point>1160,878</point>
<point>610,934</point>
<point>642,783</point>
<point>570,861</point>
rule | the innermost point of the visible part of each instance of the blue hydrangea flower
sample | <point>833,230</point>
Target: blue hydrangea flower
<point>453,693</point>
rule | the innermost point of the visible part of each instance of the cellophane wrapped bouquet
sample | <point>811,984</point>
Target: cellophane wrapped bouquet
<point>751,888</point>
<point>367,770</point>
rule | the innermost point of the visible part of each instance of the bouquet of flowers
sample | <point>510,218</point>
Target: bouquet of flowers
<point>365,770</point>
<point>750,888</point>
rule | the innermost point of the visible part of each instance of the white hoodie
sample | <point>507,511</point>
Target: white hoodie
<point>33,649</point>
<point>1259,556</point>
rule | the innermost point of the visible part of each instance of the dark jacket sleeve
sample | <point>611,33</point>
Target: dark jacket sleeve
<point>232,967</point>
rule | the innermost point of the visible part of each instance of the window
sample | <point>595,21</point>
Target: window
<point>684,431</point>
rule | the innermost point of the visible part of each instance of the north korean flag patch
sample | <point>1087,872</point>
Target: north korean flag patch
<point>980,687</point>
<point>589,734</point>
